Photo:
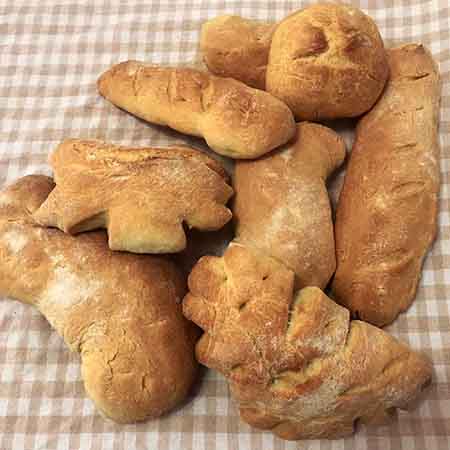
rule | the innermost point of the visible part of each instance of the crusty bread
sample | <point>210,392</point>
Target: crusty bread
<point>141,195</point>
<point>282,207</point>
<point>295,363</point>
<point>238,48</point>
<point>235,120</point>
<point>326,61</point>
<point>387,211</point>
<point>120,311</point>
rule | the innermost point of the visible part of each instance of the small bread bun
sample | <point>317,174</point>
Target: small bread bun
<point>327,61</point>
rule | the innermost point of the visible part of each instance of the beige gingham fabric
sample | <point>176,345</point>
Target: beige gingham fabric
<point>51,53</point>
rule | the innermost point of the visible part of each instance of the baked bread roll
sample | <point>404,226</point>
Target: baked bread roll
<point>235,120</point>
<point>290,184</point>
<point>295,363</point>
<point>387,212</point>
<point>238,48</point>
<point>143,196</point>
<point>120,311</point>
<point>326,61</point>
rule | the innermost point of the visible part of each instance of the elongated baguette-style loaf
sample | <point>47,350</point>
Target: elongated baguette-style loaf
<point>143,196</point>
<point>295,363</point>
<point>235,120</point>
<point>282,207</point>
<point>120,311</point>
<point>387,211</point>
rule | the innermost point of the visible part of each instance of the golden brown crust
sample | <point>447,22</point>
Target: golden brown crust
<point>238,48</point>
<point>120,311</point>
<point>327,61</point>
<point>387,211</point>
<point>234,119</point>
<point>142,196</point>
<point>290,184</point>
<point>295,362</point>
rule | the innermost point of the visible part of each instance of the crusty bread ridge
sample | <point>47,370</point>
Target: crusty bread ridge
<point>295,363</point>
<point>325,61</point>
<point>387,212</point>
<point>234,119</point>
<point>238,48</point>
<point>142,196</point>
<point>120,311</point>
<point>281,206</point>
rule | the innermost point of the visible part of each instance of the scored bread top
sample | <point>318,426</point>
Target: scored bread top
<point>327,61</point>
<point>234,119</point>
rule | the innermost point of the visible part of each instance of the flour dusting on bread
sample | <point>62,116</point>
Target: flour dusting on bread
<point>14,240</point>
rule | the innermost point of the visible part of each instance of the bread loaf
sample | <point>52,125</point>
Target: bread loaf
<point>295,363</point>
<point>387,212</point>
<point>325,61</point>
<point>238,48</point>
<point>234,119</point>
<point>120,311</point>
<point>143,196</point>
<point>282,207</point>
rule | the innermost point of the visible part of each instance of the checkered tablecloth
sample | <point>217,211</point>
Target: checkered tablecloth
<point>51,53</point>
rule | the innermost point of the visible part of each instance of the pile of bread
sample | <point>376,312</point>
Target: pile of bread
<point>296,362</point>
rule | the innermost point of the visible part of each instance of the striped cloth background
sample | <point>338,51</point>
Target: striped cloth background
<point>51,53</point>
